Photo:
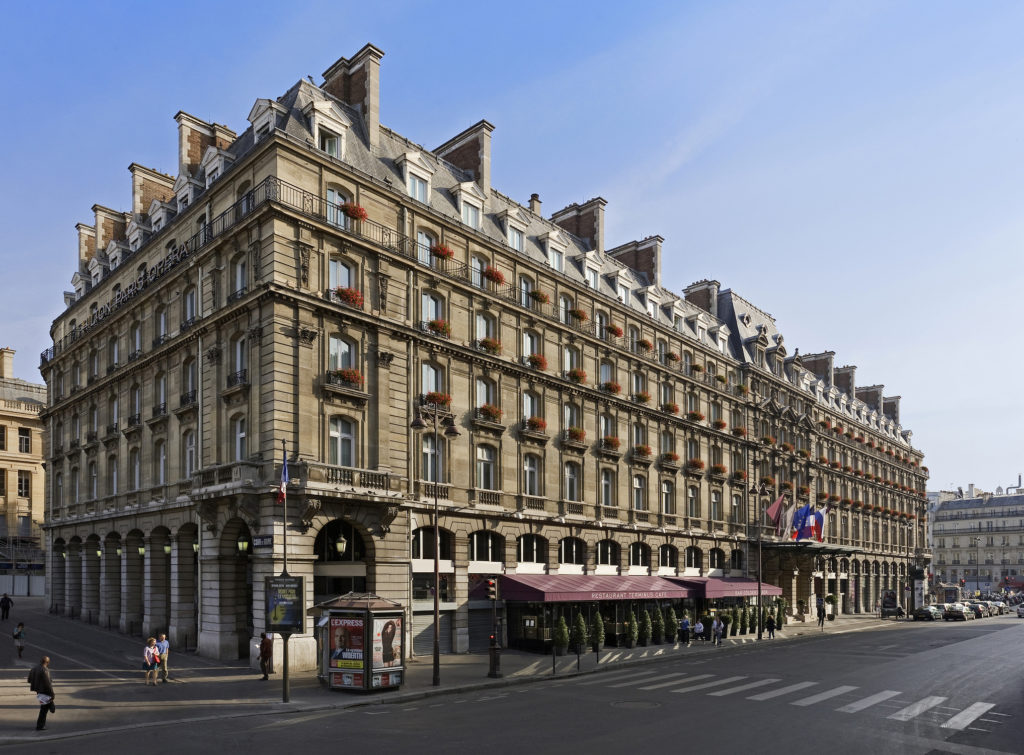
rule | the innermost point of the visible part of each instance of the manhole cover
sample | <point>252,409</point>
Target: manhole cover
<point>635,704</point>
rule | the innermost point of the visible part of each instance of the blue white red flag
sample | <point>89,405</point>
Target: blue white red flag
<point>282,491</point>
<point>820,523</point>
<point>803,523</point>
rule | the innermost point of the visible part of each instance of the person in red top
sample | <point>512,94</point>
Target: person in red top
<point>266,655</point>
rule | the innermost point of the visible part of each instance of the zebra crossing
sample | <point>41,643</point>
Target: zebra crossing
<point>803,694</point>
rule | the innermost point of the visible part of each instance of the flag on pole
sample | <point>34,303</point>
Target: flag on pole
<point>821,523</point>
<point>786,521</point>
<point>282,491</point>
<point>803,523</point>
<point>775,510</point>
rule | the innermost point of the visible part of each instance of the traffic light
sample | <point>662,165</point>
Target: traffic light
<point>963,582</point>
<point>492,589</point>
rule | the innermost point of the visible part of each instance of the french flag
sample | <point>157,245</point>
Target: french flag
<point>803,523</point>
<point>282,491</point>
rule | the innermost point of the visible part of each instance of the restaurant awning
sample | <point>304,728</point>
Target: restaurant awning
<point>726,587</point>
<point>577,588</point>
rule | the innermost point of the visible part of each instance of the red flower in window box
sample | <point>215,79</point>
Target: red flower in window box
<point>742,389</point>
<point>538,361</point>
<point>823,460</point>
<point>670,407</point>
<point>672,356</point>
<point>871,444</point>
<point>696,368</point>
<point>493,275</point>
<point>354,211</point>
<point>350,376</point>
<point>610,386</point>
<point>353,297</point>
<point>825,424</point>
<point>642,450</point>
<point>847,469</point>
<point>718,469</point>
<point>578,314</point>
<point>442,251</point>
<point>787,447</point>
<point>720,424</point>
<point>695,464</point>
<point>739,475</point>
<point>440,327</point>
<point>610,442</point>
<point>643,343</point>
<point>768,482</point>
<point>670,457</point>
<point>577,375</point>
<point>577,434</point>
<point>539,296</point>
<point>438,399</point>
<point>490,345</point>
<point>838,429</point>
<point>695,416</point>
<point>491,413</point>
<point>859,439</point>
<point>803,491</point>
<point>804,453</point>
<point>834,497</point>
<point>721,379</point>
<point>787,485</point>
<point>834,464</point>
<point>642,397</point>
<point>739,432</point>
<point>613,330</point>
<point>537,424</point>
<point>768,440</point>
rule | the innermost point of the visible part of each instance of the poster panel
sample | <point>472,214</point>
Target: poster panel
<point>387,641</point>
<point>284,603</point>
<point>346,642</point>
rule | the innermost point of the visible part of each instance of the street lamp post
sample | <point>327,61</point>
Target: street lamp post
<point>759,493</point>
<point>450,431</point>
<point>977,563</point>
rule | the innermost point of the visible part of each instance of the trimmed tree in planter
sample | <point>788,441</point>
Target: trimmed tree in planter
<point>735,624</point>
<point>764,616</point>
<point>780,612</point>
<point>671,624</point>
<point>657,627</point>
<point>632,630</point>
<point>597,632</point>
<point>744,620</point>
<point>578,637</point>
<point>560,637</point>
<point>645,627</point>
<point>726,619</point>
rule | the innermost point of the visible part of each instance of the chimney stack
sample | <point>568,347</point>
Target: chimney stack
<point>86,243</point>
<point>471,151</point>
<point>7,363</point>
<point>535,204</point>
<point>704,294</point>
<point>147,185</point>
<point>194,136</point>
<point>585,221</point>
<point>356,82</point>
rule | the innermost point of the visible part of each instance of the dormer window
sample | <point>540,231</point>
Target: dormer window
<point>330,143</point>
<point>470,201</point>
<point>556,259</point>
<point>212,176</point>
<point>418,171</point>
<point>592,277</point>
<point>516,238</point>
<point>470,214</point>
<point>417,188</point>
<point>263,117</point>
<point>624,292</point>
<point>183,201</point>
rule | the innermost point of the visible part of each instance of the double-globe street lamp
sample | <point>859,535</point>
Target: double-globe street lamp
<point>977,563</point>
<point>759,492</point>
<point>450,431</point>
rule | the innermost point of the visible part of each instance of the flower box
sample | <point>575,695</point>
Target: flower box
<point>825,424</point>
<point>576,434</point>
<point>768,440</point>
<point>442,251</point>
<point>352,297</point>
<point>610,442</point>
<point>849,433</point>
<point>803,491</point>
<point>578,314</point>
<point>695,464</point>
<point>720,424</point>
<point>642,449</point>
<point>353,211</point>
<point>859,439</point>
<point>787,447</point>
<point>739,476</point>
<point>536,424</point>
<point>848,469</point>
<point>695,416</point>
<point>823,460</point>
<point>834,497</point>
<point>577,375</point>
<point>719,470</point>
<point>742,390</point>
<point>642,397</point>
<point>834,464</point>
<point>787,485</point>
<point>440,327</point>
<point>721,379</point>
<point>670,457</point>
<point>670,407</point>
<point>644,345</point>
<point>490,345</point>
<point>610,386</point>
<point>613,330</point>
<point>438,399</point>
<point>539,296</point>
<point>858,472</point>
<point>672,356</point>
<point>490,412</point>
<point>846,501</point>
<point>538,361</point>
<point>804,453</point>
<point>697,368</point>
<point>739,432</point>
<point>493,275</point>
<point>768,482</point>
<point>349,376</point>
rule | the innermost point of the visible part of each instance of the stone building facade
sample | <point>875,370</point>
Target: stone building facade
<point>321,280</point>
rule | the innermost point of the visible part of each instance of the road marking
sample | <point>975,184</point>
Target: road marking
<point>642,681</point>
<point>823,696</point>
<point>965,718</point>
<point>615,675</point>
<point>742,688</point>
<point>917,708</point>
<point>676,681</point>
<point>867,702</point>
<point>705,685</point>
<point>783,691</point>
<point>884,647</point>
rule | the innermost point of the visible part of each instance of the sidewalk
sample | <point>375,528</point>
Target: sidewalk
<point>95,699</point>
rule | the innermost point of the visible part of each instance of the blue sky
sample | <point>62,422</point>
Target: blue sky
<point>852,168</point>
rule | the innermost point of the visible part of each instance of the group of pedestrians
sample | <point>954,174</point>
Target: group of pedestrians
<point>154,660</point>
<point>715,631</point>
<point>39,677</point>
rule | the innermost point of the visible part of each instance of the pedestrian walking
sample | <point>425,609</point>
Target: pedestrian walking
<point>266,655</point>
<point>150,660</point>
<point>821,618</point>
<point>163,647</point>
<point>716,630</point>
<point>698,630</point>
<point>19,638</point>
<point>39,682</point>
<point>770,626</point>
<point>5,607</point>
<point>684,630</point>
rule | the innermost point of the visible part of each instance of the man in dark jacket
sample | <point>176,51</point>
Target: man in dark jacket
<point>266,655</point>
<point>39,682</point>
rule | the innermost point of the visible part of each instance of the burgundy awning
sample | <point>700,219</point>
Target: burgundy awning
<point>578,588</point>
<point>726,587</point>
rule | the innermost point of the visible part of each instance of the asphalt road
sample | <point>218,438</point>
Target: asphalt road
<point>909,688</point>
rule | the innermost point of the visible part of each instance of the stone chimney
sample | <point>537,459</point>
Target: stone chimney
<point>194,136</point>
<point>891,408</point>
<point>7,363</point>
<point>110,226</point>
<point>86,244</point>
<point>147,185</point>
<point>535,204</point>
<point>704,294</point>
<point>844,379</point>
<point>585,221</point>
<point>820,365</point>
<point>356,82</point>
<point>471,151</point>
<point>872,396</point>
<point>643,257</point>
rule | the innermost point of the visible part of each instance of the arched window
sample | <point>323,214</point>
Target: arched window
<point>423,543</point>
<point>694,558</point>
<point>189,381</point>
<point>160,394</point>
<point>93,482</point>
<point>113,354</point>
<point>432,460</point>
<point>189,307</point>
<point>239,357</point>
<point>486,392</point>
<point>339,273</point>
<point>526,291</point>
<point>134,469</point>
<point>341,442</point>
<point>666,442</point>
<point>244,199</point>
<point>639,554</point>
<point>113,412</point>
<point>668,394</point>
<point>477,265</point>
<point>159,326</point>
<point>633,336</point>
<point>565,304</point>
<point>736,560</point>
<point>572,550</point>
<point>486,474</point>
<point>716,558</point>
<point>239,438</point>
<point>486,326</point>
<point>431,307</point>
<point>486,546</point>
<point>135,338</point>
<point>58,489</point>
<point>570,415</point>
<point>606,372</point>
<point>571,359</point>
<point>662,351</point>
<point>531,405</point>
<point>424,241</point>
<point>601,323</point>
<point>608,553</point>
<point>608,426</point>
<point>188,453</point>
<point>639,382</point>
<point>607,488</point>
<point>159,462</point>
<point>668,497</point>
<point>572,481</point>
<point>532,549</point>
<point>94,419</point>
<point>239,277</point>
<point>668,557</point>
<point>639,434</point>
<point>340,353</point>
<point>716,505</point>
<point>112,475</point>
<point>531,474</point>
<point>639,493</point>
<point>692,502</point>
<point>335,199</point>
<point>432,378</point>
<point>531,343</point>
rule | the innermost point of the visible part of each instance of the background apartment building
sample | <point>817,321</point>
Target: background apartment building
<point>321,280</point>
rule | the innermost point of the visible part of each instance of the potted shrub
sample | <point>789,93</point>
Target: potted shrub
<point>671,457</point>
<point>442,251</point>
<point>672,356</point>
<point>721,379</point>
<point>670,407</point>
<point>697,368</point>
<point>613,330</point>
<point>560,637</point>
<point>718,469</point>
<point>739,432</point>
<point>578,638</point>
<point>437,398</point>
<point>597,632</point>
<point>490,345</point>
<point>726,619</point>
<point>576,434</point>
<point>742,389</point>
<point>657,627</point>
<point>353,211</point>
<point>537,361</point>
<point>490,412</point>
<point>719,424</point>
<point>440,327</point>
<point>787,447</point>
<point>610,386</point>
<point>642,449</point>
<point>695,465</point>
<point>800,605</point>
<point>695,416</point>
<point>577,375</point>
<point>768,482</point>
<point>578,314</point>
<point>641,397</point>
<point>734,625</point>
<point>539,296</point>
<point>645,628</point>
<point>536,424</point>
<point>493,275</point>
<point>780,612</point>
<point>644,344</point>
<point>349,376</point>
<point>610,442</point>
<point>739,476</point>
<point>352,297</point>
<point>744,620</point>
<point>768,440</point>
<point>632,630</point>
<point>671,624</point>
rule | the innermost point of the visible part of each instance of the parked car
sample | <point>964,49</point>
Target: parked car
<point>980,610</point>
<point>1001,607</point>
<point>957,612</point>
<point>926,613</point>
<point>1020,612</point>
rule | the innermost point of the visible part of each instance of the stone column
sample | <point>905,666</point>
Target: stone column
<point>110,587</point>
<point>156,593</point>
<point>132,585</point>
<point>56,575</point>
<point>182,620</point>
<point>90,584</point>
<point>224,606</point>
<point>73,582</point>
